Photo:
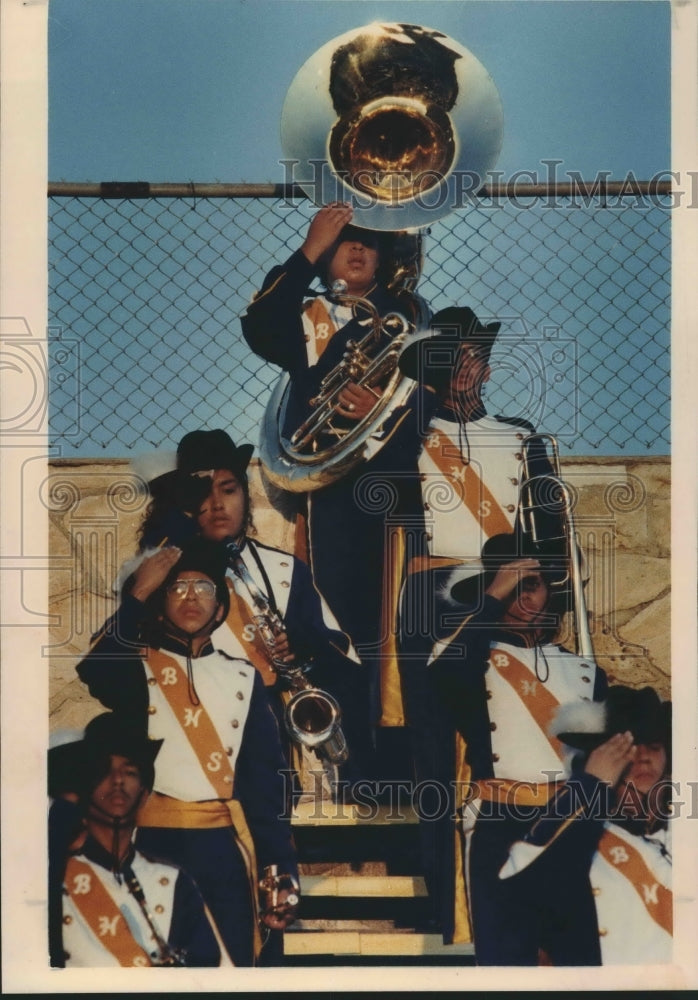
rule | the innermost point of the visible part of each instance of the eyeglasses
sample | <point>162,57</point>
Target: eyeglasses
<point>202,588</point>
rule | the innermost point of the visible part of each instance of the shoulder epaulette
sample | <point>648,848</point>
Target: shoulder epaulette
<point>269,548</point>
<point>517,422</point>
<point>157,860</point>
<point>234,659</point>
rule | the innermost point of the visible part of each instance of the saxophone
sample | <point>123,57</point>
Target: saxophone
<point>312,717</point>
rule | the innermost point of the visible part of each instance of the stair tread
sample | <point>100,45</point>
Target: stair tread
<point>327,813</point>
<point>357,942</point>
<point>363,885</point>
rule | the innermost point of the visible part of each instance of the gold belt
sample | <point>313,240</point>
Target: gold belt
<point>162,810</point>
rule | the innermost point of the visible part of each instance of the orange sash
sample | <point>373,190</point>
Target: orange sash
<point>241,623</point>
<point>626,859</point>
<point>472,490</point>
<point>195,722</point>
<point>539,701</point>
<point>102,915</point>
<point>323,327</point>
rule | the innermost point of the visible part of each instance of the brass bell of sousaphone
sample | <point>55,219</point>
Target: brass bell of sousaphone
<point>398,120</point>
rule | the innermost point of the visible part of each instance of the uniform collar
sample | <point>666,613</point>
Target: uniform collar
<point>520,637</point>
<point>176,644</point>
<point>446,413</point>
<point>94,851</point>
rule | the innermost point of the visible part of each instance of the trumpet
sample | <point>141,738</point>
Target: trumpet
<point>271,885</point>
<point>312,717</point>
<point>545,500</point>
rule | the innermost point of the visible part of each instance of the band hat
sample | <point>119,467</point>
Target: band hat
<point>73,766</point>
<point>350,233</point>
<point>467,588</point>
<point>586,725</point>
<point>430,357</point>
<point>198,451</point>
<point>204,556</point>
<point>151,466</point>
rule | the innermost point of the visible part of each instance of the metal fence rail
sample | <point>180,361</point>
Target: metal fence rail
<point>147,284</point>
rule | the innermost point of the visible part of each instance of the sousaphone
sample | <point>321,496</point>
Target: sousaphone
<point>398,120</point>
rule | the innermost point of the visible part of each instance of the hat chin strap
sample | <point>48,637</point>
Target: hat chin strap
<point>188,637</point>
<point>542,623</point>
<point>117,824</point>
<point>106,819</point>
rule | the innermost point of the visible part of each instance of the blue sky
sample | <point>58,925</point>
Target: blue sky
<point>176,90</point>
<point>192,90</point>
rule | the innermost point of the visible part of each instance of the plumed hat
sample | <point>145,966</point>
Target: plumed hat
<point>640,711</point>
<point>179,483</point>
<point>203,555</point>
<point>430,357</point>
<point>368,237</point>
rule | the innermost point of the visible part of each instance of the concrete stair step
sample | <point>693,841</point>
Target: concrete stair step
<point>369,943</point>
<point>363,898</point>
<point>370,886</point>
<point>336,814</point>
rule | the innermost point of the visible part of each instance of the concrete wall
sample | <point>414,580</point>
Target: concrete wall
<point>622,515</point>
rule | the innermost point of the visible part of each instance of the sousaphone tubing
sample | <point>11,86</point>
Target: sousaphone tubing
<point>398,120</point>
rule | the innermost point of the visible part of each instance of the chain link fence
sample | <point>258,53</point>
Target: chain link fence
<point>146,291</point>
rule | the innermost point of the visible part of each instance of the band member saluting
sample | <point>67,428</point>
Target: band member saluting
<point>469,471</point>
<point>610,819</point>
<point>218,802</point>
<point>501,679</point>
<point>276,614</point>
<point>307,336</point>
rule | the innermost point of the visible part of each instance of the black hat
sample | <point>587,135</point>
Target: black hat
<point>638,710</point>
<point>504,548</point>
<point>431,357</point>
<point>207,557</point>
<point>350,232</point>
<point>204,555</point>
<point>78,765</point>
<point>200,451</point>
<point>368,237</point>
